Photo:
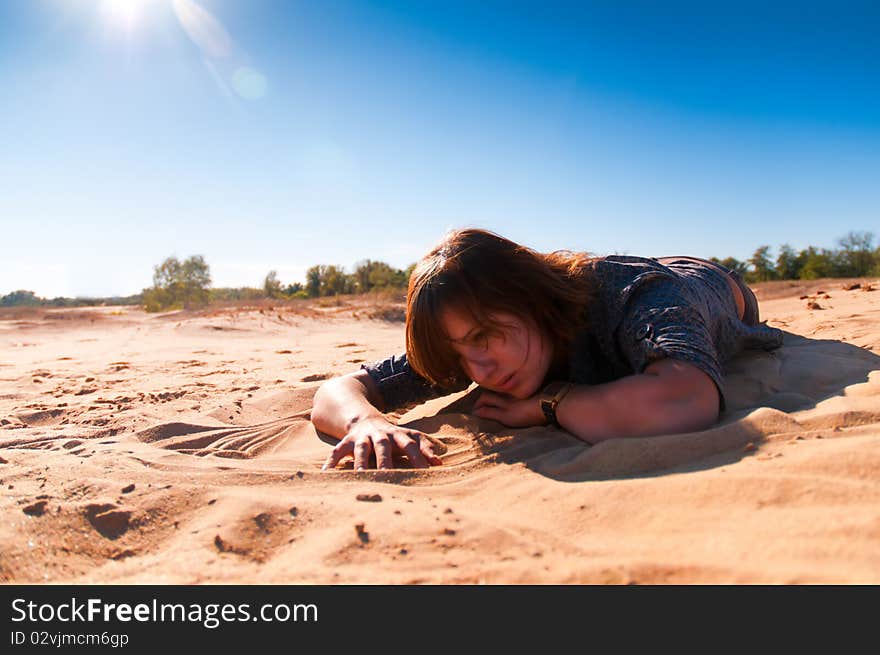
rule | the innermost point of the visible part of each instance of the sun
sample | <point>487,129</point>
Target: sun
<point>125,13</point>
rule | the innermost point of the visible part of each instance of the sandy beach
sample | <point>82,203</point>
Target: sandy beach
<point>177,448</point>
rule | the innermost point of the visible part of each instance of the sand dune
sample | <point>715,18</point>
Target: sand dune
<point>177,448</point>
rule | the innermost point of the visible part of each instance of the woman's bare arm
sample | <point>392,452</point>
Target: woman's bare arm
<point>349,408</point>
<point>670,396</point>
<point>343,401</point>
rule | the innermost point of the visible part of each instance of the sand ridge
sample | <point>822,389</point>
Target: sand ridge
<point>177,448</point>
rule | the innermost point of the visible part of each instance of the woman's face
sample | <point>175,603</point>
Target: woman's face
<point>514,362</point>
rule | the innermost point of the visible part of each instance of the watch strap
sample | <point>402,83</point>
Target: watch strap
<point>550,398</point>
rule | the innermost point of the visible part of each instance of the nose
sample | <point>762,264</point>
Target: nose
<point>481,370</point>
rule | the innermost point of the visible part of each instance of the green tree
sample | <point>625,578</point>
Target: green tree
<point>196,281</point>
<point>179,284</point>
<point>856,257</point>
<point>817,264</point>
<point>383,276</point>
<point>20,298</point>
<point>335,281</point>
<point>378,275</point>
<point>314,276</point>
<point>875,268</point>
<point>787,263</point>
<point>762,265</point>
<point>296,289</point>
<point>271,285</point>
<point>362,270</point>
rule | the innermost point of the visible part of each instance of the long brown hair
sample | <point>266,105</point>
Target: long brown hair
<point>481,273</point>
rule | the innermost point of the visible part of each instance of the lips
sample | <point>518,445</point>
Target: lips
<point>506,383</point>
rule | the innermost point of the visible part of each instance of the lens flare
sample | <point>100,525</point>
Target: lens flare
<point>249,83</point>
<point>204,30</point>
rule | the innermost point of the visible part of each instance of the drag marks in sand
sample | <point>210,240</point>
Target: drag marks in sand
<point>155,453</point>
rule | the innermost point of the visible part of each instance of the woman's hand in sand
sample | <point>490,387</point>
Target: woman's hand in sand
<point>384,439</point>
<point>512,412</point>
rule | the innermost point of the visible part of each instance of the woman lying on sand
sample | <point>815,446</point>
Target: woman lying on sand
<point>603,347</point>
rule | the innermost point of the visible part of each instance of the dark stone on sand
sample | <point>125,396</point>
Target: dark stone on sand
<point>222,546</point>
<point>263,521</point>
<point>225,547</point>
<point>370,498</point>
<point>128,489</point>
<point>317,377</point>
<point>35,509</point>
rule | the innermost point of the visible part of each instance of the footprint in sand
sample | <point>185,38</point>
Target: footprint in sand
<point>257,537</point>
<point>42,417</point>
<point>108,519</point>
<point>190,363</point>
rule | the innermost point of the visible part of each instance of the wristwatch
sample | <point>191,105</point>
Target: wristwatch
<point>550,398</point>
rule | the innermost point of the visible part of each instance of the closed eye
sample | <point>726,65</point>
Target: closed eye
<point>479,340</point>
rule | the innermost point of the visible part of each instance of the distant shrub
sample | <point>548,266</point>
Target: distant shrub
<point>20,298</point>
<point>271,286</point>
<point>239,293</point>
<point>179,284</point>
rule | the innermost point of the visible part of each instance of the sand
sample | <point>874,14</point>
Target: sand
<point>176,448</point>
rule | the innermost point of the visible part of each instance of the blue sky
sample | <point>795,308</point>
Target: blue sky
<point>278,135</point>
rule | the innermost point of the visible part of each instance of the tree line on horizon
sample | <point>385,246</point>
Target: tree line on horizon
<point>855,256</point>
<point>187,284</point>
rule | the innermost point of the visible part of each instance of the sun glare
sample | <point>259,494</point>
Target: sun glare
<point>124,13</point>
<point>136,21</point>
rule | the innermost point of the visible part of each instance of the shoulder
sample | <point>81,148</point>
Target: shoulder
<point>627,263</point>
<point>618,276</point>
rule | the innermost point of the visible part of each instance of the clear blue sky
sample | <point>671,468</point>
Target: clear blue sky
<point>270,134</point>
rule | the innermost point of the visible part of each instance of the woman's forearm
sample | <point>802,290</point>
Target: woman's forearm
<point>341,402</point>
<point>671,399</point>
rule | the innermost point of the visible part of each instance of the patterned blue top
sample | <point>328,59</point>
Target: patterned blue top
<point>643,311</point>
